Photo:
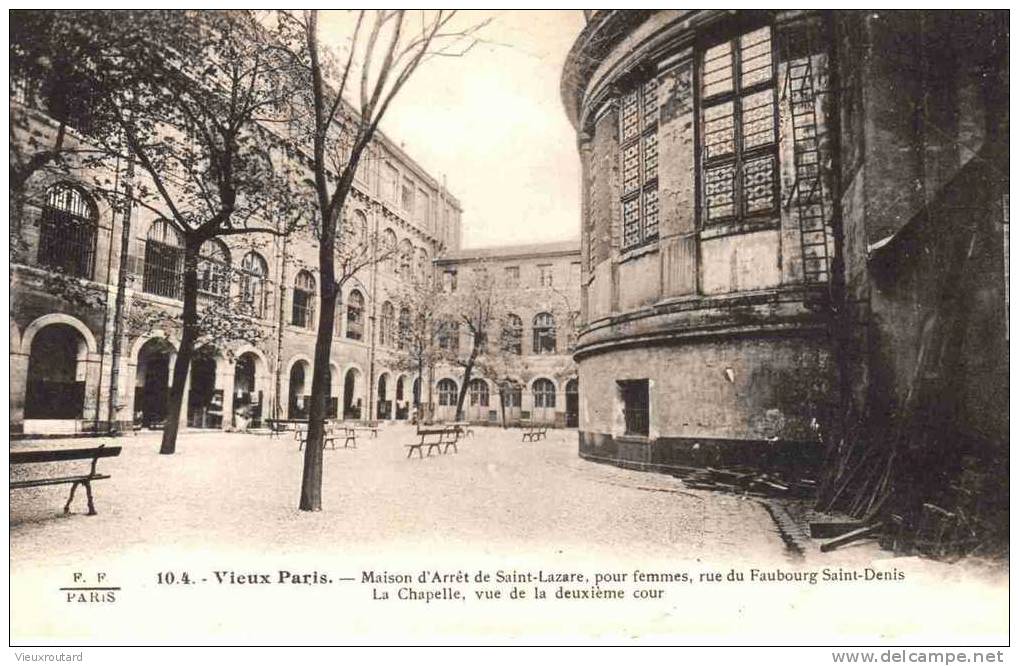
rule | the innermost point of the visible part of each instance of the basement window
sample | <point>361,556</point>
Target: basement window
<point>636,406</point>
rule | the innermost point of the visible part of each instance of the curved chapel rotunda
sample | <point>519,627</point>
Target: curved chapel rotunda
<point>706,243</point>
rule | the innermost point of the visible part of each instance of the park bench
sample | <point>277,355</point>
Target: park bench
<point>534,432</point>
<point>333,433</point>
<point>61,455</point>
<point>371,427</point>
<point>463,428</point>
<point>279,426</point>
<point>435,437</point>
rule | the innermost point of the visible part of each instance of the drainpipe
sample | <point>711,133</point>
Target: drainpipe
<point>371,346</point>
<point>276,406</point>
<point>118,308</point>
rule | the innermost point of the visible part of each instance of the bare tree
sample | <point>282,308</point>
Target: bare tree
<point>385,48</point>
<point>418,326</point>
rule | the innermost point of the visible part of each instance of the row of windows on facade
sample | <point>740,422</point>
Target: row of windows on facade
<point>511,276</point>
<point>73,108</point>
<point>543,392</point>
<point>67,241</point>
<point>738,139</point>
<point>511,337</point>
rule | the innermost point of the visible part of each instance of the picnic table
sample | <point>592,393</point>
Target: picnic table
<point>60,455</point>
<point>437,436</point>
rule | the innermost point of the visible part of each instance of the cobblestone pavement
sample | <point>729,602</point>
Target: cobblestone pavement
<point>497,493</point>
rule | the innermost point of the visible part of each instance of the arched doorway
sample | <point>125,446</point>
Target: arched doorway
<point>572,403</point>
<point>402,406</point>
<point>152,382</point>
<point>351,401</point>
<point>248,395</point>
<point>205,401</point>
<point>56,374</point>
<point>477,400</point>
<point>385,406</point>
<point>332,400</point>
<point>300,388</point>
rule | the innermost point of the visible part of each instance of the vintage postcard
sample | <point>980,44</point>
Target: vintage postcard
<point>489,327</point>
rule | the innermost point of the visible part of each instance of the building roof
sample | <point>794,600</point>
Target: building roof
<point>512,251</point>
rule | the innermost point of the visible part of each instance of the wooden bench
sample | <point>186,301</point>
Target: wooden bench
<point>534,432</point>
<point>333,433</point>
<point>440,438</point>
<point>371,427</point>
<point>463,427</point>
<point>60,455</point>
<point>279,426</point>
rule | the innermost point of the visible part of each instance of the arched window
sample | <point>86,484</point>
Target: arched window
<point>405,256</point>
<point>304,300</point>
<point>214,268</point>
<point>355,315</point>
<point>447,393</point>
<point>513,334</point>
<point>386,324</point>
<point>164,261</point>
<point>511,393</point>
<point>544,333</point>
<point>449,336</point>
<point>254,272</point>
<point>404,334</point>
<point>356,233</point>
<point>387,248</point>
<point>544,393</point>
<point>478,393</point>
<point>67,231</point>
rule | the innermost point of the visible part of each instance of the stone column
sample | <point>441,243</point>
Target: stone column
<point>225,381</point>
<point>19,385</point>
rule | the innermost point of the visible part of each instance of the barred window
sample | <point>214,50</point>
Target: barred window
<point>403,332</point>
<point>67,231</point>
<point>164,261</point>
<point>544,333</point>
<point>254,272</point>
<point>304,300</point>
<point>478,393</point>
<point>214,269</point>
<point>386,324</point>
<point>447,393</point>
<point>355,315</point>
<point>738,128</point>
<point>638,134</point>
<point>544,393</point>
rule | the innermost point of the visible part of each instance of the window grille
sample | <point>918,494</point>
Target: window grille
<point>544,334</point>
<point>638,134</point>
<point>739,159</point>
<point>68,228</point>
<point>164,261</point>
<point>304,300</point>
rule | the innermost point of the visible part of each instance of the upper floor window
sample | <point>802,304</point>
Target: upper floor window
<point>304,300</point>
<point>403,333</point>
<point>355,315</point>
<point>512,276</point>
<point>254,272</point>
<point>388,249</point>
<point>638,145</point>
<point>390,183</point>
<point>545,275</point>
<point>407,196</point>
<point>214,269</point>
<point>449,281</point>
<point>405,256</point>
<point>164,261</point>
<point>544,333</point>
<point>422,214</point>
<point>738,125</point>
<point>513,334</point>
<point>449,336</point>
<point>424,266</point>
<point>386,324</point>
<point>68,228</point>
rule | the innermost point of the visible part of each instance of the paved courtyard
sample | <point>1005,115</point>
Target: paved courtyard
<point>227,502</point>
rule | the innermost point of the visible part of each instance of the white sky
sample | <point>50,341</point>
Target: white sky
<point>492,122</point>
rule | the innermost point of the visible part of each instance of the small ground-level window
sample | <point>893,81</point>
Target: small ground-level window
<point>636,406</point>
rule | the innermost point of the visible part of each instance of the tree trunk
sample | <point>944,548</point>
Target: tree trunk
<point>188,335</point>
<point>463,387</point>
<point>502,406</point>
<point>311,479</point>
